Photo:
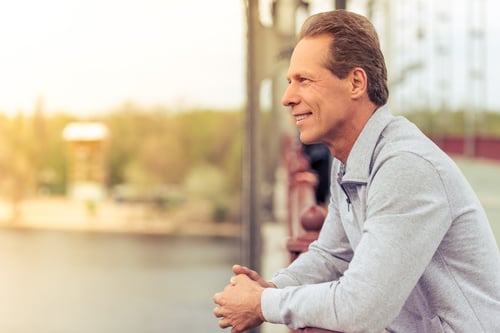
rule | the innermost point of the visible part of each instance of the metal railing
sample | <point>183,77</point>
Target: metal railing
<point>305,216</point>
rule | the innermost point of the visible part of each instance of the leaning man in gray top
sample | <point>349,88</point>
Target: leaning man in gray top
<point>406,245</point>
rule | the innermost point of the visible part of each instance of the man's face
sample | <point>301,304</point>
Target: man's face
<point>319,100</point>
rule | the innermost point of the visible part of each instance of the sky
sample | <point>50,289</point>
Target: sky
<point>448,54</point>
<point>91,56</point>
<point>87,56</point>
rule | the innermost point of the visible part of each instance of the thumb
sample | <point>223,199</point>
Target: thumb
<point>238,269</point>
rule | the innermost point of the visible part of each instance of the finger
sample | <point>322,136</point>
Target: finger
<point>218,298</point>
<point>254,275</point>
<point>232,280</point>
<point>218,312</point>
<point>224,323</point>
<point>238,269</point>
<point>237,330</point>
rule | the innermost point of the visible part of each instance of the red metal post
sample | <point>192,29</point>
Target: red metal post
<point>305,217</point>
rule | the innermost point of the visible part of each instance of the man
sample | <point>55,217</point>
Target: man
<point>406,245</point>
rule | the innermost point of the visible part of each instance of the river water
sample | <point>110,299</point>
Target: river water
<point>72,282</point>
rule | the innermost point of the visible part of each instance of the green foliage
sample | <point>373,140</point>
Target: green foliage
<point>146,148</point>
<point>163,147</point>
<point>31,155</point>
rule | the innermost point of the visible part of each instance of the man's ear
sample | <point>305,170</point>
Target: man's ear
<point>359,82</point>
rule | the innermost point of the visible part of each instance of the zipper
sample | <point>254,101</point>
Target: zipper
<point>339,181</point>
<point>347,199</point>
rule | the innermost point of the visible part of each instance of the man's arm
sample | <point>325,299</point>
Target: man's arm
<point>329,256</point>
<point>407,217</point>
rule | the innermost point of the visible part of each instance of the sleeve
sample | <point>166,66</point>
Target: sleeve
<point>327,257</point>
<point>407,216</point>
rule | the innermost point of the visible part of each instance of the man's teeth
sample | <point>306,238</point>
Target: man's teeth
<point>301,117</point>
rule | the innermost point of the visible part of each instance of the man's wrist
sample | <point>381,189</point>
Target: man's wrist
<point>271,285</point>
<point>259,306</point>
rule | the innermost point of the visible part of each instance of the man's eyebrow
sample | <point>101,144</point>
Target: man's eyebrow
<point>298,74</point>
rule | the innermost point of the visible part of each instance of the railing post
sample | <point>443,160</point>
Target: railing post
<point>305,216</point>
<point>311,222</point>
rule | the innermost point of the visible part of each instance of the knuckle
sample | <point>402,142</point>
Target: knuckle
<point>222,323</point>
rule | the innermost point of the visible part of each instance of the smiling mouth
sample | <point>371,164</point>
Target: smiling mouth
<point>301,117</point>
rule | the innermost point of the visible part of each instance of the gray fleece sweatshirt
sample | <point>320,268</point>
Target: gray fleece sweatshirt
<point>406,245</point>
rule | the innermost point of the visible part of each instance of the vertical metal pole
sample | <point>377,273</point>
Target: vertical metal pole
<point>340,4</point>
<point>251,239</point>
<point>250,236</point>
<point>444,73</point>
<point>476,63</point>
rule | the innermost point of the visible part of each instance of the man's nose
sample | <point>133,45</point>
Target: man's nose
<point>290,96</point>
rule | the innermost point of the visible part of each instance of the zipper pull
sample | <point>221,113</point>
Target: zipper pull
<point>340,174</point>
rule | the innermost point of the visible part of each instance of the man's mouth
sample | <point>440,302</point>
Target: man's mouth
<point>302,116</point>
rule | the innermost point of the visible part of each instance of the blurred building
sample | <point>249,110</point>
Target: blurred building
<point>86,175</point>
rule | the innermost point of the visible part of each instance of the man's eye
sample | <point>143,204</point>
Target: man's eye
<point>304,79</point>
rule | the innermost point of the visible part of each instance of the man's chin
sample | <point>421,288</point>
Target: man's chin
<point>307,141</point>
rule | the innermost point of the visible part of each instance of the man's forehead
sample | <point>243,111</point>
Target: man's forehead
<point>312,47</point>
<point>310,52</point>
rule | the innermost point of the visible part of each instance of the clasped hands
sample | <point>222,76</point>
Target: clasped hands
<point>239,303</point>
